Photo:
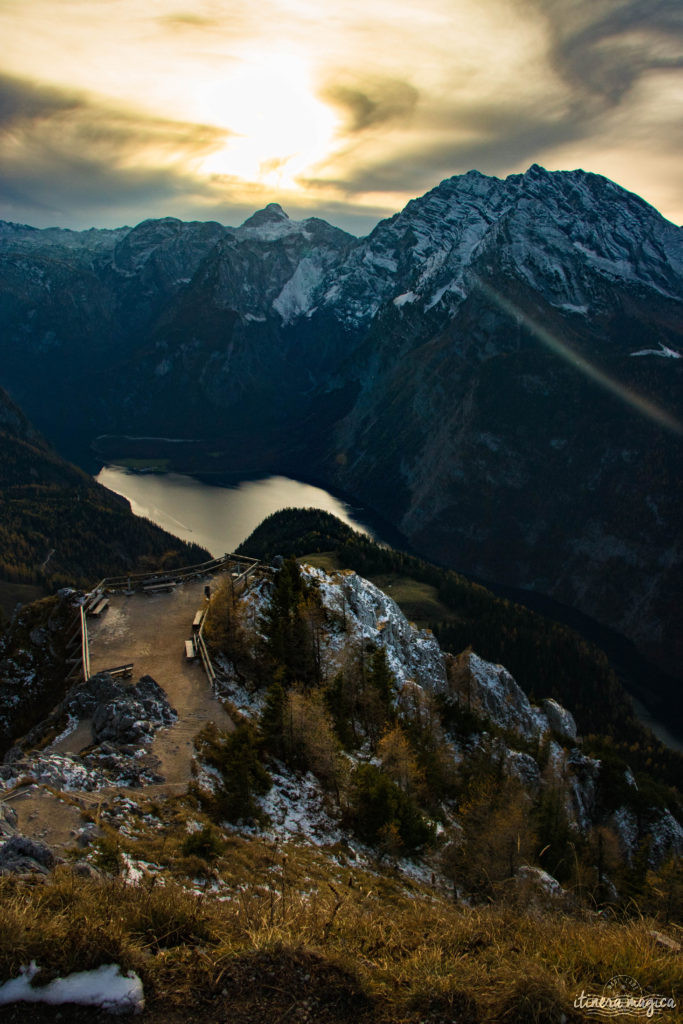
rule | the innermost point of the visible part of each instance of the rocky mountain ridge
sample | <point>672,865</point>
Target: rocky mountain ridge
<point>485,369</point>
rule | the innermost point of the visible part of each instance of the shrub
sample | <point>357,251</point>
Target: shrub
<point>205,843</point>
<point>380,810</point>
<point>243,777</point>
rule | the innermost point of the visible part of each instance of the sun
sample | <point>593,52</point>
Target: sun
<point>278,129</point>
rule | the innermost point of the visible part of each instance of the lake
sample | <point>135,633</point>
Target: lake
<point>219,518</point>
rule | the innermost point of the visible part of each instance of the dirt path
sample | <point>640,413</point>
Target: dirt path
<point>150,631</point>
<point>42,815</point>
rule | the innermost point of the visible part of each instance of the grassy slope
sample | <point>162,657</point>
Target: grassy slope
<point>297,935</point>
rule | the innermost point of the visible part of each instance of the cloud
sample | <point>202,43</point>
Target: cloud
<point>449,138</point>
<point>603,49</point>
<point>22,102</point>
<point>368,102</point>
<point>604,72</point>
<point>188,19</point>
<point>420,92</point>
<point>62,152</point>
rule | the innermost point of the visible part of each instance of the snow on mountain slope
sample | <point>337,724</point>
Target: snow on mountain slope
<point>557,230</point>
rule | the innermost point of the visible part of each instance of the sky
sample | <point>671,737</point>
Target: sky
<point>112,111</point>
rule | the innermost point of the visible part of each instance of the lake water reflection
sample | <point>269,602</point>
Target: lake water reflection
<point>218,518</point>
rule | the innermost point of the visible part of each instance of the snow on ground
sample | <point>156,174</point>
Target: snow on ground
<point>663,350</point>
<point>59,770</point>
<point>244,699</point>
<point>73,772</point>
<point>401,300</point>
<point>296,297</point>
<point>105,987</point>
<point>298,808</point>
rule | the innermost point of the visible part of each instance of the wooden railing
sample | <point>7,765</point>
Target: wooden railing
<point>138,580</point>
<point>200,643</point>
<point>85,650</point>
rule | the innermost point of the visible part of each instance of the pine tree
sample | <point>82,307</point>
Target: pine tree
<point>272,720</point>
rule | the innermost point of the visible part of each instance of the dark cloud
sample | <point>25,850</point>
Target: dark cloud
<point>603,47</point>
<point>482,136</point>
<point>62,154</point>
<point>371,101</point>
<point>22,102</point>
<point>188,19</point>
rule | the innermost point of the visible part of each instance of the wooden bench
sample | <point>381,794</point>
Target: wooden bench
<point>197,621</point>
<point>155,588</point>
<point>190,652</point>
<point>121,671</point>
<point>99,608</point>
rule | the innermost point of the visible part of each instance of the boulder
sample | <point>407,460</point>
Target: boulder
<point>21,854</point>
<point>560,720</point>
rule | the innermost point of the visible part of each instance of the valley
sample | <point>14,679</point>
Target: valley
<point>215,515</point>
<point>221,519</point>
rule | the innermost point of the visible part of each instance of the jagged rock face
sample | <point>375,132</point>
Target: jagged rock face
<point>364,613</point>
<point>493,693</point>
<point>664,833</point>
<point>432,357</point>
<point>559,719</point>
<point>487,446</point>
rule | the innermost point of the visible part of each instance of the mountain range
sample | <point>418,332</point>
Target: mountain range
<point>496,370</point>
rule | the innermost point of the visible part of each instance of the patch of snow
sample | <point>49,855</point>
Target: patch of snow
<point>105,987</point>
<point>401,300</point>
<point>663,350</point>
<point>569,307</point>
<point>437,296</point>
<point>72,725</point>
<point>298,807</point>
<point>296,297</point>
<point>132,873</point>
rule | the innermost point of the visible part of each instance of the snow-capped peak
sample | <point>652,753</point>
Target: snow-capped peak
<point>269,224</point>
<point>272,213</point>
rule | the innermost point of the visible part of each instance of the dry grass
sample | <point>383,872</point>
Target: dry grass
<point>296,933</point>
<point>419,602</point>
<point>327,560</point>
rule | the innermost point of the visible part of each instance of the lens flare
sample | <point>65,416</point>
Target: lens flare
<point>637,402</point>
